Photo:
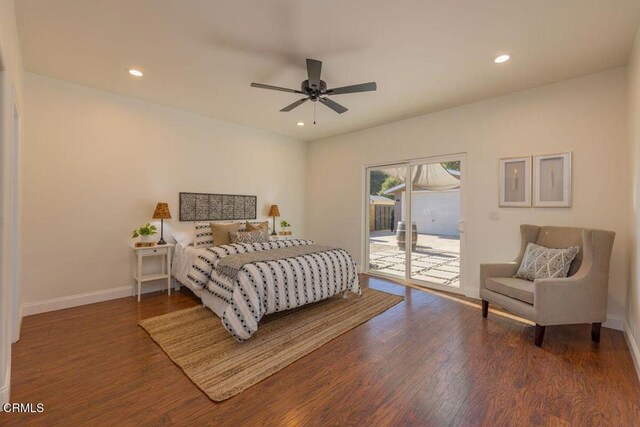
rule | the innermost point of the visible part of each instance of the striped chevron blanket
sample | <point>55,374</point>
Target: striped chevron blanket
<point>231,265</point>
<point>263,285</point>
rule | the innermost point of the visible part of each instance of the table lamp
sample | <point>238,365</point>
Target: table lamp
<point>274,212</point>
<point>162,213</point>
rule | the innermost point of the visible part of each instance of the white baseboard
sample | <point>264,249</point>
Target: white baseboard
<point>633,347</point>
<point>614,322</point>
<point>4,388</point>
<point>84,299</point>
<point>472,292</point>
<point>18,327</point>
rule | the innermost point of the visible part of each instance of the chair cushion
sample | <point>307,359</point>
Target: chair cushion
<point>511,287</point>
<point>545,263</point>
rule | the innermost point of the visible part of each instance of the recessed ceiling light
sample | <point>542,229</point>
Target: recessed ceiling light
<point>501,58</point>
<point>300,123</point>
<point>135,72</point>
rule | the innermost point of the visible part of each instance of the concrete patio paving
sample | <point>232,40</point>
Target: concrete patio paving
<point>436,259</point>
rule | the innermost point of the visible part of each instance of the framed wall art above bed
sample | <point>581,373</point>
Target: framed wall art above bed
<point>216,207</point>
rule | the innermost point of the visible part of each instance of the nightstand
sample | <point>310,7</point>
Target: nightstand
<point>139,254</point>
<point>287,237</point>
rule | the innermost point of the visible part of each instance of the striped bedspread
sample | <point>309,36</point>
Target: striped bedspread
<point>270,286</point>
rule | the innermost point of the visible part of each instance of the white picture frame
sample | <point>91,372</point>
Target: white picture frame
<point>515,182</point>
<point>552,180</point>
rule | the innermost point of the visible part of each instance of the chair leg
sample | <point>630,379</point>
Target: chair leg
<point>485,308</point>
<point>595,332</point>
<point>539,335</point>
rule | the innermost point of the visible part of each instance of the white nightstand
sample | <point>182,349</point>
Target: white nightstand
<point>287,237</point>
<point>140,254</point>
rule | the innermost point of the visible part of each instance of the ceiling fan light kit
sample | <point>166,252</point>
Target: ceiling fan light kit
<point>315,90</point>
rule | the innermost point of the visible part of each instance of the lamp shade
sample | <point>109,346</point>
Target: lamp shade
<point>273,211</point>
<point>162,211</point>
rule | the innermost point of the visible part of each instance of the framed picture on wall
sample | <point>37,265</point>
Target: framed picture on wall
<point>515,182</point>
<point>552,180</point>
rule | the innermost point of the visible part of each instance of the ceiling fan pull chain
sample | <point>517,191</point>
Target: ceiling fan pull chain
<point>315,104</point>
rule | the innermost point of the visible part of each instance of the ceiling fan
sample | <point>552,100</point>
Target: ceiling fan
<point>315,90</point>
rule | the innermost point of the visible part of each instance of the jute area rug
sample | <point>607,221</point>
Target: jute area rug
<point>222,367</point>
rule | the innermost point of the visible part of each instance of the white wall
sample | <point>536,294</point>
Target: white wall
<point>11,96</point>
<point>633,295</point>
<point>585,115</point>
<point>95,164</point>
<point>10,57</point>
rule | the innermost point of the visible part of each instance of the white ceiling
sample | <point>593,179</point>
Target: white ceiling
<point>425,55</point>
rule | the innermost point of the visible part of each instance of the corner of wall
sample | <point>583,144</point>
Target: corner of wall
<point>632,315</point>
<point>4,388</point>
<point>12,72</point>
<point>634,348</point>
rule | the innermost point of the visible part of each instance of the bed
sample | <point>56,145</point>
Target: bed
<point>183,259</point>
<point>264,287</point>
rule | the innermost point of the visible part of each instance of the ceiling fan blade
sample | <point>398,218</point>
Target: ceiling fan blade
<point>314,68</point>
<point>333,105</point>
<point>281,89</point>
<point>363,87</point>
<point>294,105</point>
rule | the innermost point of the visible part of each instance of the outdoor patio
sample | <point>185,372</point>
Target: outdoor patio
<point>436,259</point>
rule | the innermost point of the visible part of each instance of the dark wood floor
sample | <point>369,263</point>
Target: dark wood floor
<point>427,361</point>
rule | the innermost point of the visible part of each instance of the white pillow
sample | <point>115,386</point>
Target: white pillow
<point>183,238</point>
<point>202,237</point>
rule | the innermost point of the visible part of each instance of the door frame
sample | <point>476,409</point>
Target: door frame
<point>462,157</point>
<point>364,252</point>
<point>15,195</point>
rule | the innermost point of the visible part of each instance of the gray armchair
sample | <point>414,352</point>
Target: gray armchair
<point>579,298</point>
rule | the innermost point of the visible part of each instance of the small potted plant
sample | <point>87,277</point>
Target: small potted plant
<point>285,227</point>
<point>145,232</point>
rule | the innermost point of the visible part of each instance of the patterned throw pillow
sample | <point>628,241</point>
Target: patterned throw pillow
<point>255,236</point>
<point>545,263</point>
<point>262,226</point>
<point>202,237</point>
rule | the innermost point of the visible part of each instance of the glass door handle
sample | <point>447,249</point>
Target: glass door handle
<point>461,226</point>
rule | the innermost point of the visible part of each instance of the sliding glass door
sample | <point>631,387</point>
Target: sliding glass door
<point>386,253</point>
<point>435,218</point>
<point>415,222</point>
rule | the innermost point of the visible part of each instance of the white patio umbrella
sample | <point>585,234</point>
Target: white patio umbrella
<point>432,177</point>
